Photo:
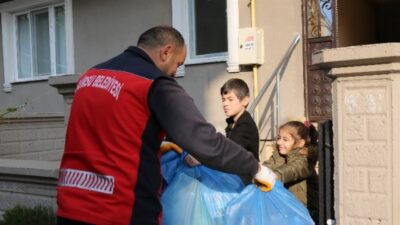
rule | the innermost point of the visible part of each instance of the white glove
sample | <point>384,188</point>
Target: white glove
<point>191,161</point>
<point>266,178</point>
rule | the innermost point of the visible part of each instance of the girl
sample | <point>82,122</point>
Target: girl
<point>293,161</point>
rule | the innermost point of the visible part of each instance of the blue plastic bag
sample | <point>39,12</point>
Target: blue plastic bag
<point>169,164</point>
<point>277,207</point>
<point>198,196</point>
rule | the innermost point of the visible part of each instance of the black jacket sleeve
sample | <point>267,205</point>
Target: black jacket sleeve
<point>184,125</point>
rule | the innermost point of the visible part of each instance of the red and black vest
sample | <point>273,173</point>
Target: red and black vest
<point>110,170</point>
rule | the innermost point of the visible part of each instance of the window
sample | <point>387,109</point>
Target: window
<point>209,28</point>
<point>204,27</point>
<point>40,45</point>
<point>35,39</point>
<point>319,18</point>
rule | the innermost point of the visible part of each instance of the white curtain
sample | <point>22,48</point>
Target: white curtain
<point>34,45</point>
<point>61,59</point>
<point>24,47</point>
<point>41,40</point>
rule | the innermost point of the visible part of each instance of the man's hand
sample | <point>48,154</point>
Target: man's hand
<point>265,178</point>
<point>191,161</point>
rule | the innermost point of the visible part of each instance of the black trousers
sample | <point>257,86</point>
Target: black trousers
<point>63,221</point>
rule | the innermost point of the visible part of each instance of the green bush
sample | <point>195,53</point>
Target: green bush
<point>22,215</point>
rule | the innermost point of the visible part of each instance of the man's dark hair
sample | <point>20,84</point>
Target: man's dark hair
<point>159,36</point>
<point>238,86</point>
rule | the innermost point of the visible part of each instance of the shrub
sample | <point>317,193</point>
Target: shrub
<point>22,215</point>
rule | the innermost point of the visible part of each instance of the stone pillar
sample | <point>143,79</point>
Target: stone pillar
<point>366,118</point>
<point>66,87</point>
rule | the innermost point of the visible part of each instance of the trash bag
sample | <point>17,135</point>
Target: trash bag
<point>169,164</point>
<point>198,196</point>
<point>276,207</point>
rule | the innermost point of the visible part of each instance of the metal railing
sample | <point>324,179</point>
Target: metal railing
<point>276,75</point>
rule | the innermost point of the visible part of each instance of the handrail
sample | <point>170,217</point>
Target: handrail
<point>277,73</point>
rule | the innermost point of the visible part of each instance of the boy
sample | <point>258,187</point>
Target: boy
<point>241,127</point>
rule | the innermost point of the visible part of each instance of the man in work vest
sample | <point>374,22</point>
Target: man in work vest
<point>121,111</point>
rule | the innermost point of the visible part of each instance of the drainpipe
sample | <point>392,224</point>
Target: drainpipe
<point>255,66</point>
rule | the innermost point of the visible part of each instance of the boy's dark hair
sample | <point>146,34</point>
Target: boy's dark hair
<point>238,86</point>
<point>159,36</point>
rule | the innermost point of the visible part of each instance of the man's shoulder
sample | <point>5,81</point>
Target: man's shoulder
<point>133,60</point>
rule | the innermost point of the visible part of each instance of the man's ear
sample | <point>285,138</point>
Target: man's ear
<point>165,52</point>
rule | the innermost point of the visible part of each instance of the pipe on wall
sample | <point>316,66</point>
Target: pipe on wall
<point>255,67</point>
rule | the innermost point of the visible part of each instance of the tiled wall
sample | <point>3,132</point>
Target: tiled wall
<point>38,137</point>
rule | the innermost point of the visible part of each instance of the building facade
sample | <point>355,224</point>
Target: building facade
<point>46,44</point>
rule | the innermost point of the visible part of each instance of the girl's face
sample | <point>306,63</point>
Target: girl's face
<point>286,142</point>
<point>232,105</point>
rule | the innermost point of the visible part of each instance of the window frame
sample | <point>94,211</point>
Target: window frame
<point>185,12</point>
<point>51,12</point>
<point>181,21</point>
<point>9,12</point>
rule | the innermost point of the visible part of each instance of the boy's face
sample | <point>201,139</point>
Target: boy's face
<point>232,106</point>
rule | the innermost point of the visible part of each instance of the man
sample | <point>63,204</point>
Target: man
<point>122,109</point>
